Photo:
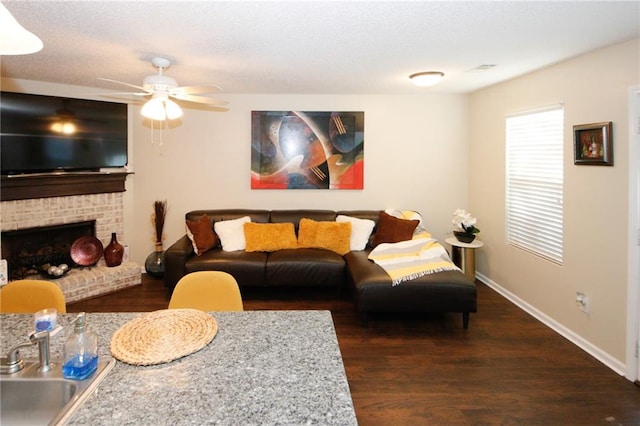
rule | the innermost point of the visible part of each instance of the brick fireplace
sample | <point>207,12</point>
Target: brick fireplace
<point>28,250</point>
<point>105,209</point>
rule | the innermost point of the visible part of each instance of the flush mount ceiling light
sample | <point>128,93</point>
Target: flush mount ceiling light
<point>426,78</point>
<point>14,39</point>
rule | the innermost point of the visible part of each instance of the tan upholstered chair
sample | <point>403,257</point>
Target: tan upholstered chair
<point>207,291</point>
<point>30,296</point>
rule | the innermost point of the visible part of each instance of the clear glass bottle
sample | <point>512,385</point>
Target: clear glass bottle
<point>80,351</point>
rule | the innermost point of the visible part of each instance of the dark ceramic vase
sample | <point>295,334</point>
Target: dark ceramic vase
<point>463,237</point>
<point>113,252</point>
<point>154,264</point>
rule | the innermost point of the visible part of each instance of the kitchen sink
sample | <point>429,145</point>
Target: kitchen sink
<point>29,397</point>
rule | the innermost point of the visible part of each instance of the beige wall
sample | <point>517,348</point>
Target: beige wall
<point>593,88</point>
<point>415,158</point>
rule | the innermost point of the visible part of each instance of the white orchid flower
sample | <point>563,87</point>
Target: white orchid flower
<point>464,222</point>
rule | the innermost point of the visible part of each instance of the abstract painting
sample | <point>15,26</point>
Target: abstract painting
<point>307,150</point>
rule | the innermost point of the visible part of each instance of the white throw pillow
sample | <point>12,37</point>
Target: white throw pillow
<point>360,231</point>
<point>231,233</point>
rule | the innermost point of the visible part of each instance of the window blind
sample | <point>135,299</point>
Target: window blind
<point>534,190</point>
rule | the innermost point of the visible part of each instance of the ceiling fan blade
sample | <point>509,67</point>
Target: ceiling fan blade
<point>216,108</point>
<point>200,99</point>
<point>190,90</point>
<point>128,98</point>
<point>123,93</point>
<point>123,83</point>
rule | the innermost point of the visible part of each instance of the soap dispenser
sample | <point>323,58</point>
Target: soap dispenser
<point>80,351</point>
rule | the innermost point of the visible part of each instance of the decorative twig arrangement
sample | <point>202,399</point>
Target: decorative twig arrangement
<point>158,218</point>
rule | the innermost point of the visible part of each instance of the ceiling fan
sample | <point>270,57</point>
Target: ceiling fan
<point>161,88</point>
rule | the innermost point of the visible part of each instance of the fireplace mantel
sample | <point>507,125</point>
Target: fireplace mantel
<point>44,185</point>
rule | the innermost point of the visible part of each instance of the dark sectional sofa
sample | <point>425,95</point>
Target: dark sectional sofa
<point>447,291</point>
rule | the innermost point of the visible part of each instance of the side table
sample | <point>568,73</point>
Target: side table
<point>464,256</point>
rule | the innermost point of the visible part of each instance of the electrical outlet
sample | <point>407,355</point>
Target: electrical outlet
<point>582,301</point>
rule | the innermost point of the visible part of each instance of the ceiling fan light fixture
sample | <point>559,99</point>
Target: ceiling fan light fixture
<point>161,108</point>
<point>426,78</point>
<point>173,109</point>
<point>14,38</point>
<point>154,109</point>
<point>162,89</point>
<point>159,82</point>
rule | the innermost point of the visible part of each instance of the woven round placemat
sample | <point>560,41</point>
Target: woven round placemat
<point>163,336</point>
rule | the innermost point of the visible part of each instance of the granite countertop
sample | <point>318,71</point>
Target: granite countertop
<point>262,367</point>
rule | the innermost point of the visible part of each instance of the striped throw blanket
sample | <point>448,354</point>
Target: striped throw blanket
<point>412,259</point>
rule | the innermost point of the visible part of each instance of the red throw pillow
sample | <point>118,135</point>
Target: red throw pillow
<point>393,230</point>
<point>201,234</point>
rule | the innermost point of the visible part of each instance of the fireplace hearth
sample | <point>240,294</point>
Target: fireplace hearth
<point>103,213</point>
<point>28,250</point>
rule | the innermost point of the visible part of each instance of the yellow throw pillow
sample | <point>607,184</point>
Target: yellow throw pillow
<point>269,236</point>
<point>334,236</point>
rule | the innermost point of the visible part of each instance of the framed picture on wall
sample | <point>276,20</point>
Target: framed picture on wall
<point>307,150</point>
<point>593,144</point>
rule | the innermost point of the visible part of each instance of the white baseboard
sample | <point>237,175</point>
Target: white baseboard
<point>588,347</point>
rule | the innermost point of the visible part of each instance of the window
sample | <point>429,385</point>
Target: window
<point>535,182</point>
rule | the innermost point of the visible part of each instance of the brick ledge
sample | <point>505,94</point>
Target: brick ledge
<point>91,281</point>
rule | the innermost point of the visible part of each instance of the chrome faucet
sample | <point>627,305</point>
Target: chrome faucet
<point>13,363</point>
<point>42,339</point>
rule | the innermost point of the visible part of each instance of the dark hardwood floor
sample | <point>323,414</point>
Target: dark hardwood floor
<point>506,369</point>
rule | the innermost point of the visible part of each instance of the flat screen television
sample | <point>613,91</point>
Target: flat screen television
<point>49,133</point>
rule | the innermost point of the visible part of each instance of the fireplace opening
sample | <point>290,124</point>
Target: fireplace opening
<point>27,250</point>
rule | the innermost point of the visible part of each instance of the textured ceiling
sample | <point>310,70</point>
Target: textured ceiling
<point>307,47</point>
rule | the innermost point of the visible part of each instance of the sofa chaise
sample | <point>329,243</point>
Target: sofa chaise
<point>298,266</point>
